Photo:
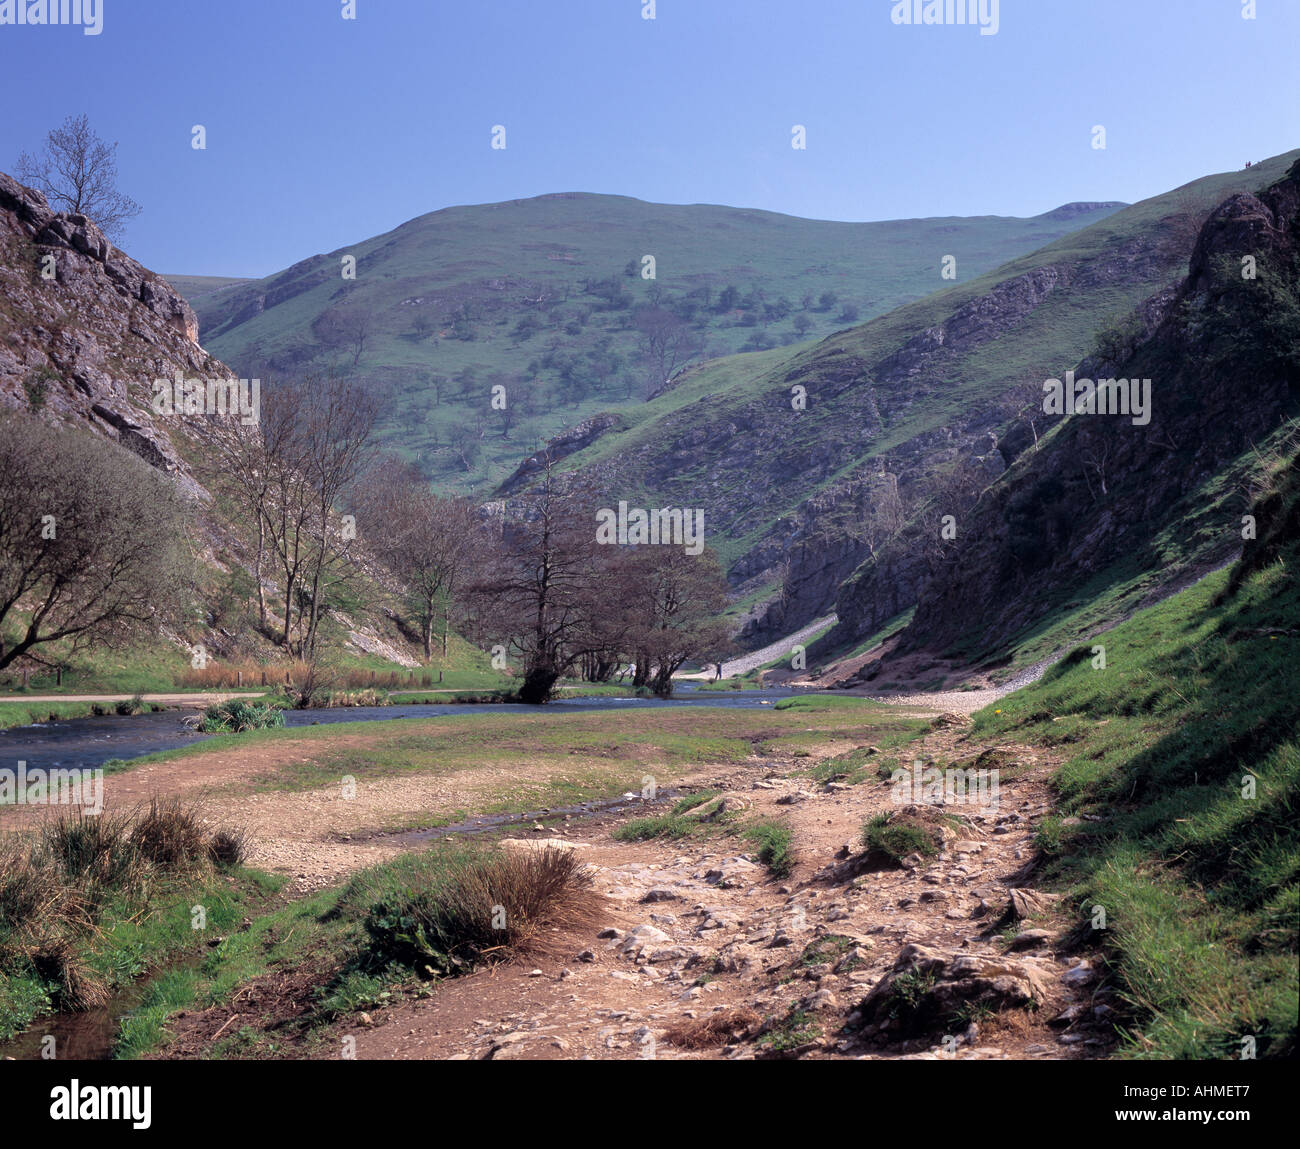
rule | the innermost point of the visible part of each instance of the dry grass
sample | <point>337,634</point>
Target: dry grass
<point>56,883</point>
<point>451,908</point>
<point>721,1027</point>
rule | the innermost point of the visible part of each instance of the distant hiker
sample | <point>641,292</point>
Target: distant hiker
<point>718,676</point>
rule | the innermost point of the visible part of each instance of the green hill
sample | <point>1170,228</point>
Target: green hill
<point>544,296</point>
<point>927,395</point>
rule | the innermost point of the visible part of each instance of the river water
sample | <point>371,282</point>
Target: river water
<point>90,742</point>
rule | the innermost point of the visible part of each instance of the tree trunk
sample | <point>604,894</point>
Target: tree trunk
<point>538,684</point>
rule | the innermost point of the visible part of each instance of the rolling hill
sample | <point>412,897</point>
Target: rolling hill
<point>546,297</point>
<point>933,400</point>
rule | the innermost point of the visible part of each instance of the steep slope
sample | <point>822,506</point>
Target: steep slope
<point>1105,500</point>
<point>84,332</point>
<point>1180,783</point>
<point>932,400</point>
<point>542,295</point>
<point>84,329</point>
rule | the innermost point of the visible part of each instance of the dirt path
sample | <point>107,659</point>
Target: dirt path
<point>696,935</point>
<point>779,649</point>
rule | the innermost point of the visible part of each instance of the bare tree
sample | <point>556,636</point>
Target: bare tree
<point>91,541</point>
<point>431,543</point>
<point>667,344</point>
<point>548,587</point>
<point>77,172</point>
<point>288,473</point>
<point>675,601</point>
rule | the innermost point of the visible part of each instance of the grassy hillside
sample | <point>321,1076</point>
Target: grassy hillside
<point>197,286</point>
<point>540,295</point>
<point>754,391</point>
<point>1181,784</point>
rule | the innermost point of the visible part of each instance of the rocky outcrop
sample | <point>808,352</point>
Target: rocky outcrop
<point>571,441</point>
<point>1224,365</point>
<point>85,329</point>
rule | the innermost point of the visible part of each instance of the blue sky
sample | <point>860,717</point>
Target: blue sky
<point>322,131</point>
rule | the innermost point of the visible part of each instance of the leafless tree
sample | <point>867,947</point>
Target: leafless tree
<point>667,344</point>
<point>548,587</point>
<point>431,543</point>
<point>77,172</point>
<point>91,541</point>
<point>288,473</point>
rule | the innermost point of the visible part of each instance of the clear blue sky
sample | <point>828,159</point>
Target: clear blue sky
<point>323,131</point>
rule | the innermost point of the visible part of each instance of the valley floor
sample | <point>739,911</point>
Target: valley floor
<point>697,942</point>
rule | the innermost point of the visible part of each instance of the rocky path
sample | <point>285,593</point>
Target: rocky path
<point>705,954</point>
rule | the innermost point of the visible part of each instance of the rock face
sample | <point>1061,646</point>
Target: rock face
<point>85,330</point>
<point>573,440</point>
<point>1224,363</point>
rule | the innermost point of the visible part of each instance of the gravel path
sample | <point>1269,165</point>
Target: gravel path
<point>778,649</point>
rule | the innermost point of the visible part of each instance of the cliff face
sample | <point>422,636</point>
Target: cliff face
<point>1224,364</point>
<point>85,330</point>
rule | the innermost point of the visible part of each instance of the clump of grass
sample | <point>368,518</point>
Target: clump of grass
<point>689,803</point>
<point>63,888</point>
<point>828,948</point>
<point>796,1028</point>
<point>773,841</point>
<point>721,1027</point>
<point>131,706</point>
<point>171,836</point>
<point>228,846</point>
<point>236,716</point>
<point>451,909</point>
<point>691,816</point>
<point>893,836</point>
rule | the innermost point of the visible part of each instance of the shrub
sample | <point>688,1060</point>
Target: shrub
<point>236,716</point>
<point>447,910</point>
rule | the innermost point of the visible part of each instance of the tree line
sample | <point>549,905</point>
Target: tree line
<point>112,556</point>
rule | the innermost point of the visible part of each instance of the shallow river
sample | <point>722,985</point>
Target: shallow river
<point>90,742</point>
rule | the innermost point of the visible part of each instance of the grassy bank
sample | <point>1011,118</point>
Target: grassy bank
<point>1179,797</point>
<point>88,904</point>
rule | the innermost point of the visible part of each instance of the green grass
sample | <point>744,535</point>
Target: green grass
<point>26,713</point>
<point>438,913</point>
<point>893,837</point>
<point>794,1029</point>
<point>141,920</point>
<point>1198,882</point>
<point>772,841</point>
<point>823,702</point>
